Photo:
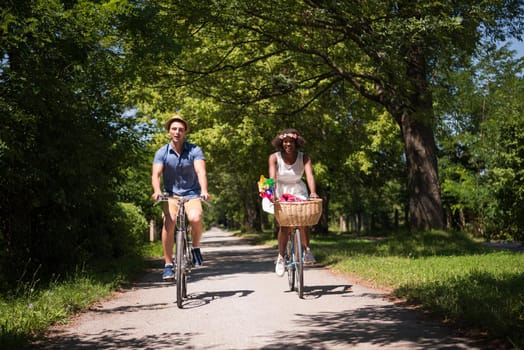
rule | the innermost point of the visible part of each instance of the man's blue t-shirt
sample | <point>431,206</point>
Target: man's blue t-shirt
<point>179,173</point>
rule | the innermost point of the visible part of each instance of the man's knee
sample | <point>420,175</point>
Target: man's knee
<point>194,216</point>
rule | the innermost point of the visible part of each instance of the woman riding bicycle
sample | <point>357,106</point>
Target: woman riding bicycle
<point>287,166</point>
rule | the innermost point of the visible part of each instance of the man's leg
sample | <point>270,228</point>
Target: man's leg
<point>195,217</point>
<point>168,238</point>
<point>170,210</point>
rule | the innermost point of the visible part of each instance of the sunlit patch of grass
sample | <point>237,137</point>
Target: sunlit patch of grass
<point>31,308</point>
<point>25,315</point>
<point>449,274</point>
<point>152,250</point>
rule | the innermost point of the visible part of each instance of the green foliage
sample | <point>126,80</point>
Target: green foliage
<point>486,299</point>
<point>481,139</point>
<point>318,66</point>
<point>32,313</point>
<point>64,137</point>
<point>130,230</point>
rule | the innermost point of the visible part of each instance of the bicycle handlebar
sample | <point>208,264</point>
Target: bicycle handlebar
<point>165,197</point>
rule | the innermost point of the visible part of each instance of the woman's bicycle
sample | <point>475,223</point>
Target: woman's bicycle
<point>183,253</point>
<point>295,215</point>
<point>294,263</point>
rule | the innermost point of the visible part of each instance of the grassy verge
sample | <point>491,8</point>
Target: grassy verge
<point>450,275</point>
<point>32,308</point>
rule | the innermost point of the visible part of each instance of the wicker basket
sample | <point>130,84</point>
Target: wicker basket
<point>306,213</point>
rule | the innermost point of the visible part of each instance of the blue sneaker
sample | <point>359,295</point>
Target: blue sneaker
<point>197,257</point>
<point>168,274</point>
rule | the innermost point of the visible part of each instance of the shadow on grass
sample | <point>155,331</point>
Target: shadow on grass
<point>478,300</point>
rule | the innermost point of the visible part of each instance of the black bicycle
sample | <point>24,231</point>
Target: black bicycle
<point>183,252</point>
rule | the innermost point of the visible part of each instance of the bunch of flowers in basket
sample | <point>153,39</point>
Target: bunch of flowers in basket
<point>266,189</point>
<point>287,197</point>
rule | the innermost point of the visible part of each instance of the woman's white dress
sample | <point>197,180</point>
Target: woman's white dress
<point>289,177</point>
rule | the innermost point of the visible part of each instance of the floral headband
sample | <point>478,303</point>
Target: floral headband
<point>292,135</point>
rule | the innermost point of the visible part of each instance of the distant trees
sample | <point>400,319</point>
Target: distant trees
<point>289,54</point>
<point>482,118</point>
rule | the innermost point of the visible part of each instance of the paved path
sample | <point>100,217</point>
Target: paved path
<point>237,302</point>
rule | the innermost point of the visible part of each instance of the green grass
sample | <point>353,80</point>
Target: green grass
<point>449,274</point>
<point>32,308</point>
<point>24,316</point>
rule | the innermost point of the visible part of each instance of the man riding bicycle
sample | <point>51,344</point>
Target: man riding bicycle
<point>182,167</point>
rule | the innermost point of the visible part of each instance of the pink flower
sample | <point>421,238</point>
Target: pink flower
<point>292,135</point>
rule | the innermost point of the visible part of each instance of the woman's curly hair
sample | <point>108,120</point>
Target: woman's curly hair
<point>293,133</point>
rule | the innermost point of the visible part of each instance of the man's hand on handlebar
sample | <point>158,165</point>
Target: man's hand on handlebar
<point>156,196</point>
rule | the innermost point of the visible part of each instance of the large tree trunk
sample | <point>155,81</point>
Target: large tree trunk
<point>414,114</point>
<point>252,220</point>
<point>425,206</point>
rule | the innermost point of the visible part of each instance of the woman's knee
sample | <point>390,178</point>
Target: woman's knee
<point>285,230</point>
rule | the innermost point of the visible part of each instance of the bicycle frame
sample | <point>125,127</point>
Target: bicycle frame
<point>183,254</point>
<point>294,262</point>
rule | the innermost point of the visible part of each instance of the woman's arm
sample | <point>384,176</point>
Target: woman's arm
<point>272,165</point>
<point>310,178</point>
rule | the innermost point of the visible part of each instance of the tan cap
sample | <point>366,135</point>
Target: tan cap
<point>176,117</point>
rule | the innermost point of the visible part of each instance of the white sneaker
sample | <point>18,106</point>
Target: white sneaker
<point>280,267</point>
<point>309,259</point>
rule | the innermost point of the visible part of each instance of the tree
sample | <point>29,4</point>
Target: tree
<point>64,138</point>
<point>240,53</point>
<point>481,144</point>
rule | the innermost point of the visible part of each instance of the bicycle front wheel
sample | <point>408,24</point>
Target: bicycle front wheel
<point>290,267</point>
<point>181,286</point>
<point>299,263</point>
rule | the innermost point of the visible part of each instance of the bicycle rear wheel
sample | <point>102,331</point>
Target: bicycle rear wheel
<point>298,262</point>
<point>181,287</point>
<point>289,264</point>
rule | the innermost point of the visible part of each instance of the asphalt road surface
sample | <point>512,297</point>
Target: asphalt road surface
<point>238,302</point>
